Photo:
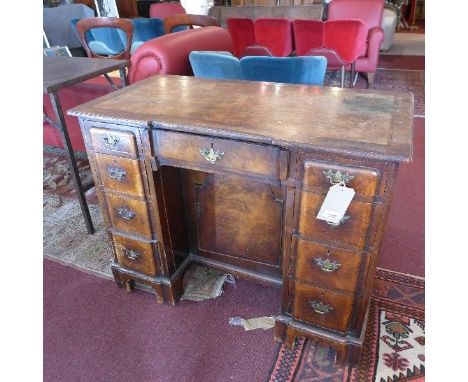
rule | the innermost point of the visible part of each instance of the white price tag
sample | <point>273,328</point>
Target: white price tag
<point>336,203</point>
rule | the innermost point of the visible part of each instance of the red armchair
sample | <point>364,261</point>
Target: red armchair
<point>370,13</point>
<point>340,41</point>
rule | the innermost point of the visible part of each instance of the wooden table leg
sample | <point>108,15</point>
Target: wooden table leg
<point>70,155</point>
<point>123,76</point>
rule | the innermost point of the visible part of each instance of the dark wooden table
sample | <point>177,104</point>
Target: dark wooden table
<point>60,72</point>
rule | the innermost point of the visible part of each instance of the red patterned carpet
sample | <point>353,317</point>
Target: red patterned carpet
<point>393,349</point>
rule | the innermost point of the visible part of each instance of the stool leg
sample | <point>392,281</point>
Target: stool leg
<point>342,75</point>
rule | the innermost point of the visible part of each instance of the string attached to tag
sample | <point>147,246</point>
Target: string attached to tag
<point>336,203</point>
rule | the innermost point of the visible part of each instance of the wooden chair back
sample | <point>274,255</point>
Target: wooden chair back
<point>170,22</point>
<point>87,24</point>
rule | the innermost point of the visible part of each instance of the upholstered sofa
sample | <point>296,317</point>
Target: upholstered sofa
<point>167,54</point>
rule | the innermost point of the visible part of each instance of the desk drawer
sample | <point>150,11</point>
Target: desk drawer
<point>324,308</point>
<point>129,215</point>
<point>219,153</point>
<point>120,174</point>
<point>136,255</point>
<point>353,231</point>
<point>323,174</point>
<point>118,142</point>
<point>327,267</point>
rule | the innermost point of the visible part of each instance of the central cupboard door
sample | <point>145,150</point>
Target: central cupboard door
<point>235,220</point>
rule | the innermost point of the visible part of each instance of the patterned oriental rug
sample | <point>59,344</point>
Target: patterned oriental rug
<point>393,349</point>
<point>398,80</point>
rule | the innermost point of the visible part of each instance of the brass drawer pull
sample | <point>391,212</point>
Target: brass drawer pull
<point>131,253</point>
<point>116,173</point>
<point>210,155</point>
<point>344,219</point>
<point>110,140</point>
<point>320,308</point>
<point>327,265</point>
<point>125,213</point>
<point>338,177</point>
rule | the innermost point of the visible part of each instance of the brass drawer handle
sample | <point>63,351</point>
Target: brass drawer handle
<point>125,213</point>
<point>327,265</point>
<point>116,173</point>
<point>344,219</point>
<point>320,308</point>
<point>337,177</point>
<point>131,253</point>
<point>110,140</point>
<point>210,155</point>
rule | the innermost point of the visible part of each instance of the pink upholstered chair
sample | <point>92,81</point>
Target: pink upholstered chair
<point>370,13</point>
<point>162,10</point>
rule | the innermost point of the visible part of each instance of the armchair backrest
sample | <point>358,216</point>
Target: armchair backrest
<point>368,11</point>
<point>308,70</point>
<point>275,35</point>
<point>171,22</point>
<point>308,34</point>
<point>145,29</point>
<point>242,32</point>
<point>215,65</point>
<point>346,37</point>
<point>162,10</point>
<point>125,25</point>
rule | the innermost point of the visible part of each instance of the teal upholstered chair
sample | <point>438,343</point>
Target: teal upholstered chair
<point>216,65</point>
<point>145,29</point>
<point>292,70</point>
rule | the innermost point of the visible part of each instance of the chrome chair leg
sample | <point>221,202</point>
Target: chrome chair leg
<point>351,77</point>
<point>342,76</point>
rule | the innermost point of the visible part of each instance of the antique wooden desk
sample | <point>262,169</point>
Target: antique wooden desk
<point>232,174</point>
<point>59,72</point>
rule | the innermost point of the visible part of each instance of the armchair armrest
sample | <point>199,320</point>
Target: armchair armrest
<point>375,38</point>
<point>168,54</point>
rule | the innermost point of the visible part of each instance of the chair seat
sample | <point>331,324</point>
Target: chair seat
<point>101,48</point>
<point>256,50</point>
<point>333,58</point>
